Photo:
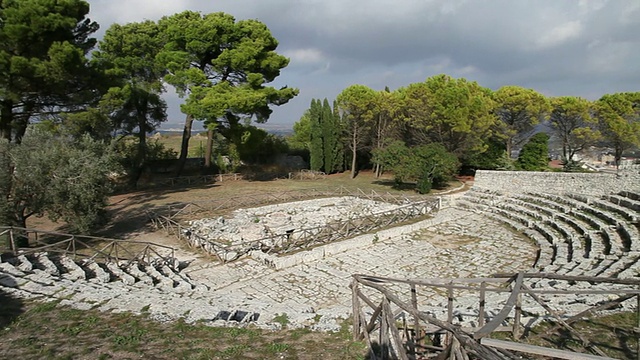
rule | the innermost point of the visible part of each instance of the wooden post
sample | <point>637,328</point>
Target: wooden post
<point>483,288</point>
<point>416,320</point>
<point>393,332</point>
<point>13,243</point>
<point>384,336</point>
<point>516,319</point>
<point>450,303</point>
<point>638,328</point>
<point>355,301</point>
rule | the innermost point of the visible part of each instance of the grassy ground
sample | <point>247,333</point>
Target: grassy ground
<point>46,331</point>
<point>613,334</point>
<point>197,143</point>
<point>31,330</point>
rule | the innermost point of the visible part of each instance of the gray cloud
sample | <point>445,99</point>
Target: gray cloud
<point>582,48</point>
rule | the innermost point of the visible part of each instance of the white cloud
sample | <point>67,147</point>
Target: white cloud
<point>107,12</point>
<point>577,48</point>
<point>305,56</point>
<point>560,34</point>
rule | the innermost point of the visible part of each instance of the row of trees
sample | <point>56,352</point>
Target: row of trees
<point>481,128</point>
<point>80,96</point>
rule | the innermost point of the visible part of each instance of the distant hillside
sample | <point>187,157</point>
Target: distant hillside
<point>271,128</point>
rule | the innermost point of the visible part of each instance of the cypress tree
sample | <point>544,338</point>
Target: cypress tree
<point>534,155</point>
<point>316,152</point>
<point>329,138</point>
<point>337,128</point>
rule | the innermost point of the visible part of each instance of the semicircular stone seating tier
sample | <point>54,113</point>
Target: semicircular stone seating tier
<point>35,268</point>
<point>576,234</point>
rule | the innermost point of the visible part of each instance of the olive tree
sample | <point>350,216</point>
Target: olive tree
<point>57,176</point>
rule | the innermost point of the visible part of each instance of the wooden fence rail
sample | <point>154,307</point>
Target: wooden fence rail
<point>23,241</point>
<point>255,199</point>
<point>377,308</point>
<point>296,239</point>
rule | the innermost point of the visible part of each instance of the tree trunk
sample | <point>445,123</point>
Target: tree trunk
<point>208,150</point>
<point>6,119</point>
<point>141,159</point>
<point>184,149</point>
<point>354,148</point>
<point>618,154</point>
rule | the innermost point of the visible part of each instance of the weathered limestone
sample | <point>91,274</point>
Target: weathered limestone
<point>45,264</point>
<point>487,231</point>
<point>294,226</point>
<point>163,281</point>
<point>24,264</point>
<point>119,273</point>
<point>594,184</point>
<point>73,271</point>
<point>99,274</point>
<point>133,269</point>
<point>182,283</point>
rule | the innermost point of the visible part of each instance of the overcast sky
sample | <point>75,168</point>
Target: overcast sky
<point>581,48</point>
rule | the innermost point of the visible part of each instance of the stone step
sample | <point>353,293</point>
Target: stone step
<point>73,270</point>
<point>8,268</point>
<point>119,273</point>
<point>8,280</point>
<point>160,279</point>
<point>24,264</point>
<point>183,284</point>
<point>97,272</point>
<point>134,270</point>
<point>45,264</point>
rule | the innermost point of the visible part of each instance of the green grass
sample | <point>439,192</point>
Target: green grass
<point>197,143</point>
<point>282,319</point>
<point>45,330</point>
<point>613,334</point>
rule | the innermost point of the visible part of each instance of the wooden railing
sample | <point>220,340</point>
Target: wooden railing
<point>262,198</point>
<point>377,306</point>
<point>305,174</point>
<point>296,239</point>
<point>300,239</point>
<point>23,241</point>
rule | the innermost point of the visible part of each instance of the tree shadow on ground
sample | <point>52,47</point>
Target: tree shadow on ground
<point>394,185</point>
<point>130,213</point>
<point>404,186</point>
<point>621,340</point>
<point>10,307</point>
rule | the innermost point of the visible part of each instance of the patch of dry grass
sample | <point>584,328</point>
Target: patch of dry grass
<point>44,330</point>
<point>613,334</point>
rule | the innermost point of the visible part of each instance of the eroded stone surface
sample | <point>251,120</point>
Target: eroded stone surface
<point>313,289</point>
<point>245,225</point>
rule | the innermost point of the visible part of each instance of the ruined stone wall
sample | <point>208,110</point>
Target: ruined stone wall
<point>593,184</point>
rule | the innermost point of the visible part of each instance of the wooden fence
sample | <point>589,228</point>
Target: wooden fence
<point>175,210</point>
<point>306,174</point>
<point>378,304</point>
<point>198,179</point>
<point>22,241</point>
<point>296,239</point>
